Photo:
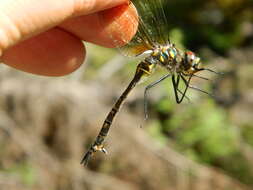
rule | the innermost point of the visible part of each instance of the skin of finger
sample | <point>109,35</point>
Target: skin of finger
<point>118,24</point>
<point>22,19</point>
<point>31,64</point>
<point>52,53</point>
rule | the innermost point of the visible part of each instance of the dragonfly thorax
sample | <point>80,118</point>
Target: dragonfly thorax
<point>165,54</point>
<point>175,61</point>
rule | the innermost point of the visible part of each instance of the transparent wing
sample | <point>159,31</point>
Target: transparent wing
<point>153,19</point>
<point>152,30</point>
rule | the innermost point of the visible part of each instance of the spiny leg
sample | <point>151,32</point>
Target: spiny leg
<point>175,83</point>
<point>146,93</point>
<point>200,77</point>
<point>142,69</point>
<point>196,88</point>
<point>178,90</point>
<point>175,87</point>
<point>200,90</point>
<point>151,86</point>
<point>185,96</point>
<point>186,86</point>
<point>212,71</point>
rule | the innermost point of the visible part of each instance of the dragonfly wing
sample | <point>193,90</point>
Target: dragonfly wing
<point>153,19</point>
<point>152,27</point>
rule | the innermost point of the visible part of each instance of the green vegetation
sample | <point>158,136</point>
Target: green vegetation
<point>24,171</point>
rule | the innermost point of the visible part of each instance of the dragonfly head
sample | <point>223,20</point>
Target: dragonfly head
<point>191,63</point>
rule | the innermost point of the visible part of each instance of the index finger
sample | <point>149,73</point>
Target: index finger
<point>118,24</point>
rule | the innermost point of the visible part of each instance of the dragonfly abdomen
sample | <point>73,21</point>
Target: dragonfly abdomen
<point>144,68</point>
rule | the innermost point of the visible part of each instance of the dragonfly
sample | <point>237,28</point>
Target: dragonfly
<point>152,40</point>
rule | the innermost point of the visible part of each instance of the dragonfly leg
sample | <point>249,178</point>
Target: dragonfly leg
<point>146,94</point>
<point>212,71</point>
<point>196,88</point>
<point>151,86</point>
<point>200,90</point>
<point>187,84</point>
<point>184,95</point>
<point>175,82</point>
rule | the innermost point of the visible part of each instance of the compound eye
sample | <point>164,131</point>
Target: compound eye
<point>190,56</point>
<point>196,61</point>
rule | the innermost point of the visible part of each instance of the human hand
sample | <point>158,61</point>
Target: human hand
<point>45,37</point>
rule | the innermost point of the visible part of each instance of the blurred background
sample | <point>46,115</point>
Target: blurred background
<point>46,124</point>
